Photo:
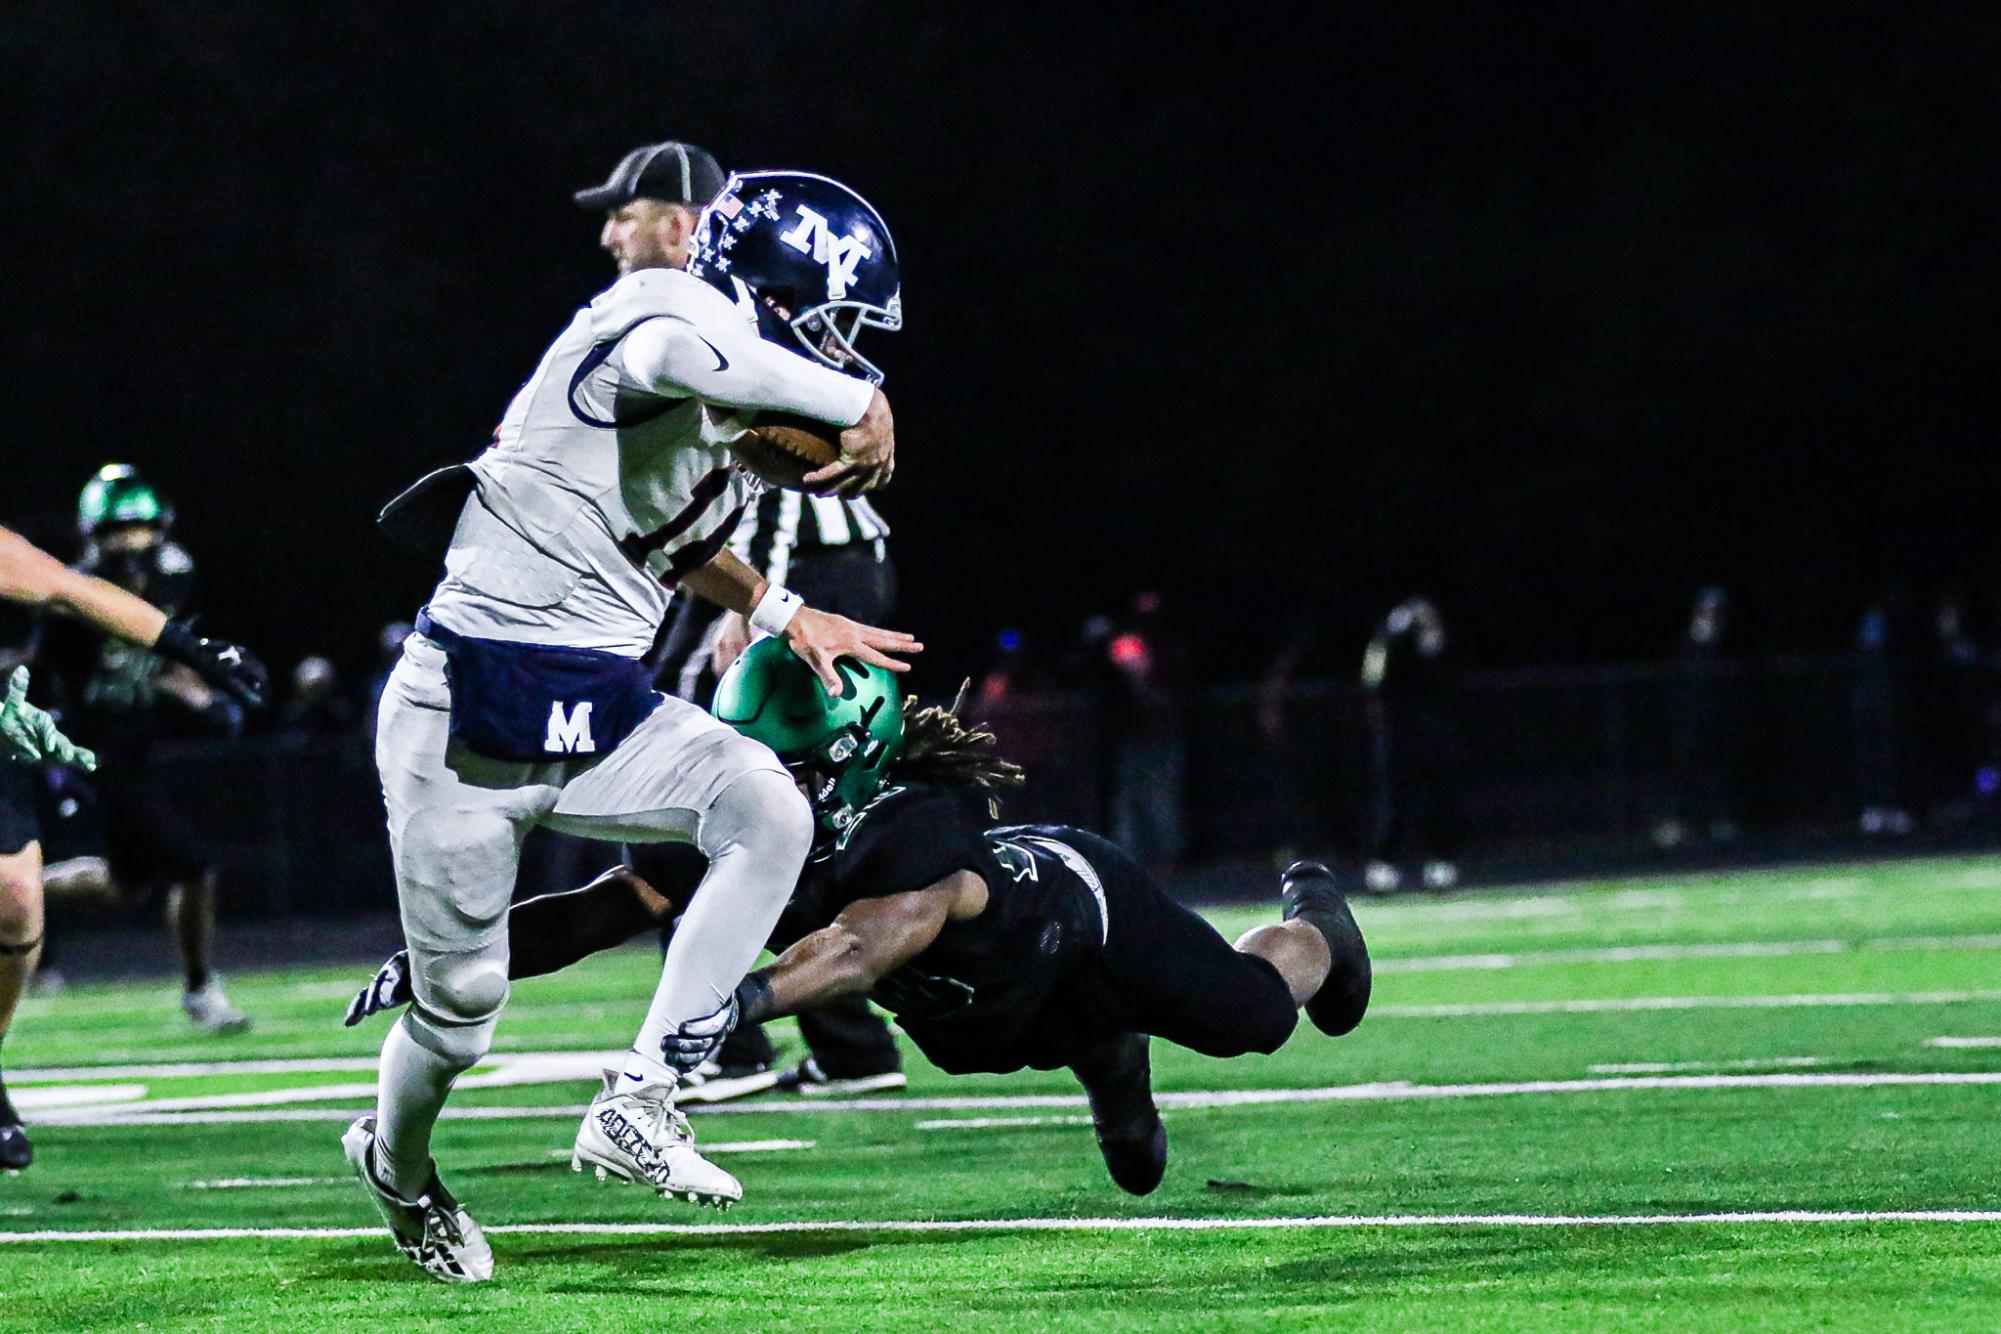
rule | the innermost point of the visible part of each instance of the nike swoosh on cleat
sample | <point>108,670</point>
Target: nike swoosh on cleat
<point>722,362</point>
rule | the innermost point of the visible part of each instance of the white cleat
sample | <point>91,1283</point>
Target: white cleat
<point>632,1132</point>
<point>433,1230</point>
<point>211,1011</point>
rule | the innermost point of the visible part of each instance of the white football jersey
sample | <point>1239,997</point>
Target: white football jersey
<point>607,481</point>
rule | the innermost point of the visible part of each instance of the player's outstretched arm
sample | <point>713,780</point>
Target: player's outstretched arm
<point>34,578</point>
<point>871,939</point>
<point>819,637</point>
<point>31,576</point>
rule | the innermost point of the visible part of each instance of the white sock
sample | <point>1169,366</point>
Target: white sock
<point>647,1069</point>
<point>410,1091</point>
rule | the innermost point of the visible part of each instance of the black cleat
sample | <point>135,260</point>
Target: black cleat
<point>1118,1078</point>
<point>1136,1162</point>
<point>16,1152</point>
<point>1311,895</point>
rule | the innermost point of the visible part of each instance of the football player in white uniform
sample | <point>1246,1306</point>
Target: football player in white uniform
<point>522,698</point>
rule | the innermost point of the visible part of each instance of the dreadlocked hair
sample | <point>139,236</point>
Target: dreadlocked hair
<point>939,748</point>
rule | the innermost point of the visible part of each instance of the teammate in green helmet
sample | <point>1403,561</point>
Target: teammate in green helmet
<point>118,495</point>
<point>840,747</point>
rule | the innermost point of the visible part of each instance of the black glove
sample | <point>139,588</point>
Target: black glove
<point>698,1039</point>
<point>389,989</point>
<point>228,667</point>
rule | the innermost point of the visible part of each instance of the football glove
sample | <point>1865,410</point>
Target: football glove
<point>698,1039</point>
<point>230,668</point>
<point>28,734</point>
<point>389,989</point>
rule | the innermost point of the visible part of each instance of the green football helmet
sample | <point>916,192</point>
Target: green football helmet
<point>117,494</point>
<point>841,745</point>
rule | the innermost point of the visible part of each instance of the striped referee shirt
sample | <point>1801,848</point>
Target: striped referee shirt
<point>784,523</point>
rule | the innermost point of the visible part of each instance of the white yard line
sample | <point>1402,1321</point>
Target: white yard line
<point>281,1183</point>
<point>522,1066</point>
<point>1677,1067</point>
<point>1609,1005</point>
<point>1757,949</point>
<point>1002,1122</point>
<point>1785,1217</point>
<point>1964,1043</point>
<point>1388,1091</point>
<point>75,1095</point>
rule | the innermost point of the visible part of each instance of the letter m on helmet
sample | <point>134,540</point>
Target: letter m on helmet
<point>570,734</point>
<point>812,235</point>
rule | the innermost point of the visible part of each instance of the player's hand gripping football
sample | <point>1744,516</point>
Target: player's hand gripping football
<point>230,668</point>
<point>822,637</point>
<point>29,735</point>
<point>868,455</point>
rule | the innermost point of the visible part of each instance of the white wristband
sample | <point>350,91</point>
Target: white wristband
<point>775,610</point>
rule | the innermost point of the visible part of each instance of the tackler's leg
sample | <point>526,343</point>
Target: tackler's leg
<point>1318,949</point>
<point>1117,1076</point>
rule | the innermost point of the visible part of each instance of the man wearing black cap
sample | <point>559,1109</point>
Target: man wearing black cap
<point>833,547</point>
<point>651,203</point>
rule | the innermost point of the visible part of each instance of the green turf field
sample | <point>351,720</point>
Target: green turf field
<point>1538,1066</point>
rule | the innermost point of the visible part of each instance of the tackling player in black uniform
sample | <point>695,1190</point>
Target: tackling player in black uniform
<point>997,947</point>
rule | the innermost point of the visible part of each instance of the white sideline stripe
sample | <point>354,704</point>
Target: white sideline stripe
<point>1757,949</point>
<point>1388,1091</point>
<point>1470,1009</point>
<point>908,1225</point>
<point>1963,1042</point>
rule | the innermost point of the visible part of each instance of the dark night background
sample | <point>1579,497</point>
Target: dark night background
<point>1555,311</point>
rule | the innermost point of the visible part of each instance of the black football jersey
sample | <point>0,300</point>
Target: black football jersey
<point>984,979</point>
<point>109,689</point>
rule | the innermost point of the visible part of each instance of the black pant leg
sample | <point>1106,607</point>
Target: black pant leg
<point>1175,976</point>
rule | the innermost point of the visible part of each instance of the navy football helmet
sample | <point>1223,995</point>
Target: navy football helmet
<point>811,246</point>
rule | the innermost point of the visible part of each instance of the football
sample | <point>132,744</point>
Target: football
<point>782,447</point>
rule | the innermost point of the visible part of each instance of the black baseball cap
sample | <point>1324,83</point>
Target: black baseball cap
<point>673,173</point>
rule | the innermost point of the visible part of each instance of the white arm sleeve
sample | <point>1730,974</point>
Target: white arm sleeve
<point>726,363</point>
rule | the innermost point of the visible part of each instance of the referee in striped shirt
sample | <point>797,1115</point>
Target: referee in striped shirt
<point>833,553</point>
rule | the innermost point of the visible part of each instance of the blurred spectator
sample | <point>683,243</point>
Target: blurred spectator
<point>1704,739</point>
<point>1143,688</point>
<point>1955,713</point>
<point>1882,767</point>
<point>1407,684</point>
<point>316,710</point>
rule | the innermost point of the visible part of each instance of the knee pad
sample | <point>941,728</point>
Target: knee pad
<point>458,1000</point>
<point>762,811</point>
